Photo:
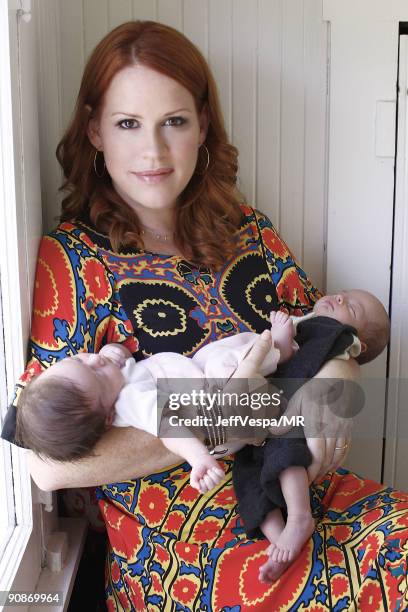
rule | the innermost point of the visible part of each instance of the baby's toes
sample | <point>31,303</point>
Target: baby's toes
<point>282,317</point>
<point>272,316</point>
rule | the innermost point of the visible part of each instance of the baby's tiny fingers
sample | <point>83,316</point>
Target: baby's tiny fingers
<point>209,482</point>
<point>203,488</point>
<point>219,471</point>
<point>216,476</point>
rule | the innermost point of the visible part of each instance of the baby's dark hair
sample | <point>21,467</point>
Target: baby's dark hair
<point>56,419</point>
<point>376,336</point>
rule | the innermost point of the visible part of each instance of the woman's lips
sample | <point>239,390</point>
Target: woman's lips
<point>154,176</point>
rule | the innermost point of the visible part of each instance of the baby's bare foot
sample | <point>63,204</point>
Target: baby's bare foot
<point>271,570</point>
<point>283,332</point>
<point>298,530</point>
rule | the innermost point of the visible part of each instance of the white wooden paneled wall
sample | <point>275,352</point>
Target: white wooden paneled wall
<point>269,60</point>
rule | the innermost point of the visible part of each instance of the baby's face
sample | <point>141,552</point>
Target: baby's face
<point>96,375</point>
<point>352,307</point>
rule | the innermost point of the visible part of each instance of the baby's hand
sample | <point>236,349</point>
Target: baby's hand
<point>117,353</point>
<point>206,473</point>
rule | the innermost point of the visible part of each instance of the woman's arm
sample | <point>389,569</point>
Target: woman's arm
<point>123,453</point>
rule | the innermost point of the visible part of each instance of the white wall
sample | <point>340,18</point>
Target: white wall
<point>364,72</point>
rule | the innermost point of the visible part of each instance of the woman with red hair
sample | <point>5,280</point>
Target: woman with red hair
<point>156,249</point>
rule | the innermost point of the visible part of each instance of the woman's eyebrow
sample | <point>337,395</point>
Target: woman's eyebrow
<point>178,110</point>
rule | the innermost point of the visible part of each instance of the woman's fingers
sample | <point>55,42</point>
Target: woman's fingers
<point>317,447</point>
<point>293,409</point>
<point>340,450</point>
<point>327,455</point>
<point>259,351</point>
<point>249,367</point>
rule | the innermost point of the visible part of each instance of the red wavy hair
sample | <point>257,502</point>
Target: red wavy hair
<point>208,212</point>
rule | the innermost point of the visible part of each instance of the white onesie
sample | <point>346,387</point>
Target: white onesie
<point>136,405</point>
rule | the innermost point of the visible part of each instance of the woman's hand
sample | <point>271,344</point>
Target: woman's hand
<point>328,454</point>
<point>251,364</point>
<point>333,417</point>
<point>247,381</point>
<point>327,404</point>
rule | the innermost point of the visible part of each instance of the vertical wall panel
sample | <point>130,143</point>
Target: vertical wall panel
<point>220,53</point>
<point>268,110</point>
<point>49,106</point>
<point>71,53</point>
<point>170,12</point>
<point>244,89</point>
<point>95,23</point>
<point>119,11</point>
<point>315,142</point>
<point>195,21</point>
<point>292,125</point>
<point>145,9</point>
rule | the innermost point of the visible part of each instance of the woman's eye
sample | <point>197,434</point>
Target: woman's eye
<point>175,121</point>
<point>128,124</point>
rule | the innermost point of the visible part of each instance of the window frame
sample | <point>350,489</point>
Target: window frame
<point>20,549</point>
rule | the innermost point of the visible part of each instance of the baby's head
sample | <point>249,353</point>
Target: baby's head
<point>364,312</point>
<point>64,411</point>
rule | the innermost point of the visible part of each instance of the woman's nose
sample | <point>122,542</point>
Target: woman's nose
<point>154,144</point>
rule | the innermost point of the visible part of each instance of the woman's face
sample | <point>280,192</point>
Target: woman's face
<point>150,133</point>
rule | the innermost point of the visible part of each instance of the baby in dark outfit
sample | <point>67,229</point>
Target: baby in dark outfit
<point>348,324</point>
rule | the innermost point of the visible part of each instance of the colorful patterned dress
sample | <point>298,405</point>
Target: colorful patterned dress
<point>170,547</point>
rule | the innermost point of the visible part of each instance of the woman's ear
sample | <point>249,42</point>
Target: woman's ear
<point>93,131</point>
<point>204,120</point>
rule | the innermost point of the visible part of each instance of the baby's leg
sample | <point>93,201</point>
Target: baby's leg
<point>283,332</point>
<point>206,472</point>
<point>300,524</point>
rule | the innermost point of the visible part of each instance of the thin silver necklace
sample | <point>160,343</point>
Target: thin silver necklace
<point>157,236</point>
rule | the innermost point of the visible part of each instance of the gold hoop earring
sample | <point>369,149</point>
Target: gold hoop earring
<point>208,160</point>
<point>98,174</point>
